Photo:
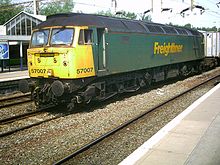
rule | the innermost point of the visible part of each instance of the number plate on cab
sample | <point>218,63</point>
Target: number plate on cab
<point>38,72</point>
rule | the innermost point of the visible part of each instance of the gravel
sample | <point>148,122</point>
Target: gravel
<point>17,110</point>
<point>27,121</point>
<point>51,141</point>
<point>117,147</point>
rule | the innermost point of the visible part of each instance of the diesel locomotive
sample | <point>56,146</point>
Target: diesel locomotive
<point>75,58</point>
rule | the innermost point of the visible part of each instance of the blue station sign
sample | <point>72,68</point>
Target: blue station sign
<point>4,51</point>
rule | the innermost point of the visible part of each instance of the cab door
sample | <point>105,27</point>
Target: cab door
<point>101,44</point>
<point>100,52</point>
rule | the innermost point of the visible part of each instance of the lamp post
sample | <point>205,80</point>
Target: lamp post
<point>114,2</point>
<point>36,7</point>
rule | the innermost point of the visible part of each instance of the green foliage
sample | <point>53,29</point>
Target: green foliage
<point>128,15</point>
<point>7,11</point>
<point>122,14</point>
<point>188,26</point>
<point>106,13</point>
<point>146,18</point>
<point>57,7</point>
<point>213,29</point>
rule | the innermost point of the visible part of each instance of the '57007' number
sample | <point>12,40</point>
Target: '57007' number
<point>84,70</point>
<point>38,70</point>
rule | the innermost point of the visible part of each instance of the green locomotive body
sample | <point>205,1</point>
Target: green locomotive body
<point>127,52</point>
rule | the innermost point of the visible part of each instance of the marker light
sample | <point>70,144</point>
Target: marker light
<point>38,60</point>
<point>50,72</point>
<point>54,60</point>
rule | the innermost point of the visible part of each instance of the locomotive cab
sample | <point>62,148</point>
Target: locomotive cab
<point>61,52</point>
<point>60,62</point>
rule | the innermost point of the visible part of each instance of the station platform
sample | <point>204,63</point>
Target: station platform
<point>15,75</point>
<point>192,138</point>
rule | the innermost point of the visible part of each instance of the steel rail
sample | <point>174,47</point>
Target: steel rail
<point>113,131</point>
<point>14,98</point>
<point>22,116</point>
<point>18,117</point>
<point>26,127</point>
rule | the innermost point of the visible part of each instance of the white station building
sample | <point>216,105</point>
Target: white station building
<point>15,35</point>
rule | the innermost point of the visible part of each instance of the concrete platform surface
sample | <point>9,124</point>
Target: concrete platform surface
<point>16,75</point>
<point>192,138</point>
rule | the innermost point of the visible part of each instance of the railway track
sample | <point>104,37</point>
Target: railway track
<point>26,120</point>
<point>8,86</point>
<point>124,125</point>
<point>18,117</point>
<point>15,100</point>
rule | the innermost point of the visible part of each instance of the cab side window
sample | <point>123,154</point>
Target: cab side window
<point>81,37</point>
<point>85,37</point>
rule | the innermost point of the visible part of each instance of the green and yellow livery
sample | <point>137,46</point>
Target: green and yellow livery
<point>75,58</point>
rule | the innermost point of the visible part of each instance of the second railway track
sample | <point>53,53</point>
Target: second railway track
<point>26,120</point>
<point>15,100</point>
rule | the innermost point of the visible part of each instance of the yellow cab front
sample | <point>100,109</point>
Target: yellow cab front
<point>61,52</point>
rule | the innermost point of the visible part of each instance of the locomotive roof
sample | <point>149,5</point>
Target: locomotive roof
<point>113,24</point>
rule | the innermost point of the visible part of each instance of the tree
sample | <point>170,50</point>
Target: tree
<point>213,29</point>
<point>146,18</point>
<point>8,10</point>
<point>106,13</point>
<point>188,26</point>
<point>57,7</point>
<point>128,15</point>
<point>123,14</point>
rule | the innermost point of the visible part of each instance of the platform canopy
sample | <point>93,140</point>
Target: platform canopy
<point>23,23</point>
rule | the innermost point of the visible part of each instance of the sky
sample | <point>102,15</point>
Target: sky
<point>210,18</point>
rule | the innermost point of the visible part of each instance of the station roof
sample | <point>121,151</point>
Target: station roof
<point>39,17</point>
<point>14,38</point>
<point>113,24</point>
<point>20,25</point>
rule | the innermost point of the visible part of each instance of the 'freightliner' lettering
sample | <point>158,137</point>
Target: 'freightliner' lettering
<point>168,48</point>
